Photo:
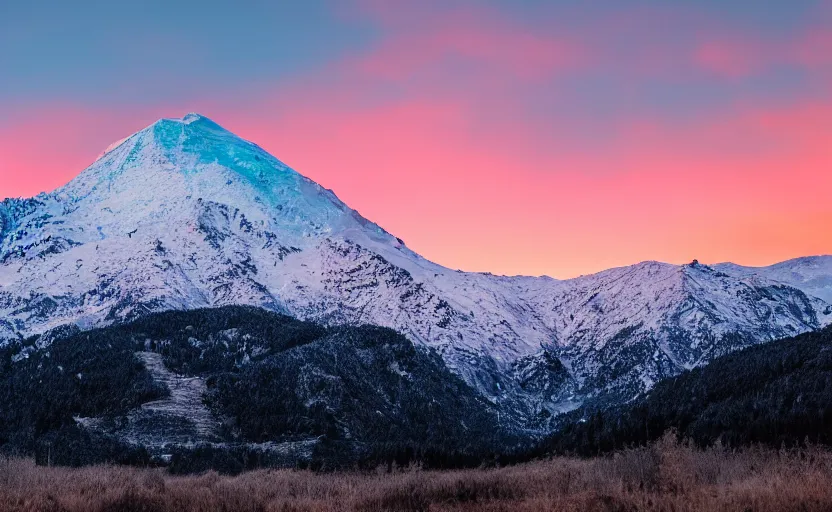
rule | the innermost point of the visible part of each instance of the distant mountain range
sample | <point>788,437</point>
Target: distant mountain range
<point>184,215</point>
<point>776,394</point>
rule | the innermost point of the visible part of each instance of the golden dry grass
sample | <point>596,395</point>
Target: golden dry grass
<point>664,477</point>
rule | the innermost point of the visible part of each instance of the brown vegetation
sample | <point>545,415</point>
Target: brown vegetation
<point>664,476</point>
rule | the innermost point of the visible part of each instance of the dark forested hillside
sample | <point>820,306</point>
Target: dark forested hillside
<point>245,384</point>
<point>779,393</point>
<point>238,387</point>
<point>86,374</point>
<point>363,383</point>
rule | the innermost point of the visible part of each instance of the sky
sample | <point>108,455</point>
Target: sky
<point>516,137</point>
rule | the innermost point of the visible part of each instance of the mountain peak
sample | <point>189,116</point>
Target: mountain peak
<point>187,146</point>
<point>177,133</point>
<point>193,116</point>
<point>170,167</point>
<point>188,118</point>
<point>168,132</point>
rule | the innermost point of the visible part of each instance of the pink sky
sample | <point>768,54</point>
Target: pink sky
<point>469,135</point>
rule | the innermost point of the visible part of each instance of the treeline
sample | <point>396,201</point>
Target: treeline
<point>360,390</point>
<point>339,455</point>
<point>776,394</point>
<point>207,341</point>
<point>368,383</point>
<point>361,396</point>
<point>91,374</point>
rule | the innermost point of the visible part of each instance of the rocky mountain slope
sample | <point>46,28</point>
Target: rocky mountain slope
<point>810,274</point>
<point>778,394</point>
<point>184,215</point>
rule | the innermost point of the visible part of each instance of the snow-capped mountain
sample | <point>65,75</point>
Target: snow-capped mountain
<point>184,214</point>
<point>810,274</point>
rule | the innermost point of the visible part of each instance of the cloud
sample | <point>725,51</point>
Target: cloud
<point>448,38</point>
<point>737,184</point>
<point>749,56</point>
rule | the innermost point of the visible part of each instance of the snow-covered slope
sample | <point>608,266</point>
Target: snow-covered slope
<point>184,214</point>
<point>624,329</point>
<point>812,274</point>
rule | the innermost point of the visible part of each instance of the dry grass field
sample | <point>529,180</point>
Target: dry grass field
<point>663,477</point>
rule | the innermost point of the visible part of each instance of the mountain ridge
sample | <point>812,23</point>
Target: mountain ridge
<point>183,214</point>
